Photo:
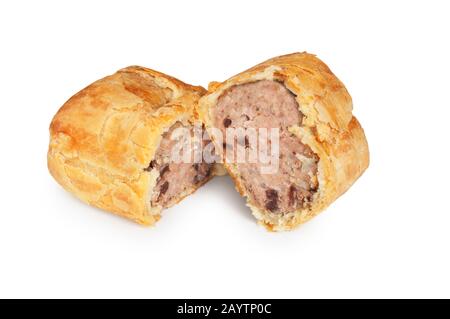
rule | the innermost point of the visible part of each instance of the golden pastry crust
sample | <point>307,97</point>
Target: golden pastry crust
<point>104,137</point>
<point>328,128</point>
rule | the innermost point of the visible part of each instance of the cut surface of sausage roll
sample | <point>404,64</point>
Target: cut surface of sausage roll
<point>321,147</point>
<point>111,144</point>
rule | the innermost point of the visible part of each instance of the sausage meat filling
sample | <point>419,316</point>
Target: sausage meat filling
<point>269,104</point>
<point>175,178</point>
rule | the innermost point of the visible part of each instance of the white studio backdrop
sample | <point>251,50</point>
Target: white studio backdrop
<point>388,236</point>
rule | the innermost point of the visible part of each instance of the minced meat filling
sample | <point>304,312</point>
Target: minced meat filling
<point>175,178</point>
<point>269,104</point>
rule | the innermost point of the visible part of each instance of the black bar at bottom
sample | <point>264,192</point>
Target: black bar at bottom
<point>228,308</point>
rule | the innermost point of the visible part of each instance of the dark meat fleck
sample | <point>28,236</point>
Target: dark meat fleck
<point>150,166</point>
<point>271,193</point>
<point>308,198</point>
<point>164,188</point>
<point>272,200</point>
<point>226,122</point>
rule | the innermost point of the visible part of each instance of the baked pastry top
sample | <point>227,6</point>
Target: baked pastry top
<point>325,125</point>
<point>104,137</point>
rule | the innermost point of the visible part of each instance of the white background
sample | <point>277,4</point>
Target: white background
<point>388,236</point>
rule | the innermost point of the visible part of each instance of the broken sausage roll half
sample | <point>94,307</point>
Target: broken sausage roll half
<point>111,144</point>
<point>320,148</point>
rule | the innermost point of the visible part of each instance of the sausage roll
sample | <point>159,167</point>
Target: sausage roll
<point>110,144</point>
<point>321,147</point>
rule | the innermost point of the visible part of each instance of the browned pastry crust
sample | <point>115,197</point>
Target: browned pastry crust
<point>328,128</point>
<point>104,137</point>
